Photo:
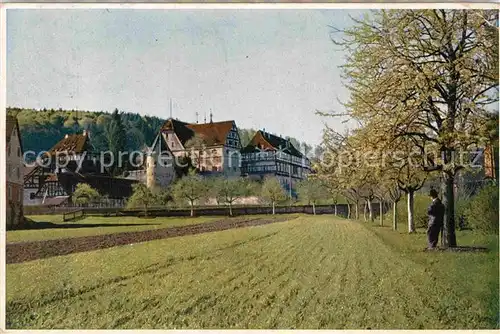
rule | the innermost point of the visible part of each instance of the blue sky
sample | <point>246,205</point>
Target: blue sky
<point>264,68</point>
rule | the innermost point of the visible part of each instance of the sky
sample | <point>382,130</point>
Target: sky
<point>263,68</point>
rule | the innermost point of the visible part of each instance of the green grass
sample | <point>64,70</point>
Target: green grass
<point>130,224</point>
<point>311,272</point>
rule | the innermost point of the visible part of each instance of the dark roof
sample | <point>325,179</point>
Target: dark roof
<point>75,143</point>
<point>160,139</point>
<point>266,141</point>
<point>213,133</point>
<point>10,125</point>
<point>180,129</point>
<point>105,185</point>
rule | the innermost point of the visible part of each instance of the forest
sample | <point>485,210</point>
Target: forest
<point>41,129</point>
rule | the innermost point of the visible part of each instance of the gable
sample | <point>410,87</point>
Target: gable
<point>12,131</point>
<point>266,141</point>
<point>75,143</point>
<point>213,133</point>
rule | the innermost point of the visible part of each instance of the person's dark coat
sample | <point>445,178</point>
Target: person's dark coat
<point>436,213</point>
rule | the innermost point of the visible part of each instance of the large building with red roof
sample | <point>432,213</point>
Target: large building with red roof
<point>213,147</point>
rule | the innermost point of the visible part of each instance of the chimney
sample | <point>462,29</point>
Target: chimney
<point>211,116</point>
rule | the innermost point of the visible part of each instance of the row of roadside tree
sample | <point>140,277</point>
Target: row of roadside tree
<point>423,99</point>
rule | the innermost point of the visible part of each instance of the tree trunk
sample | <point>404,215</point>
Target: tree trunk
<point>348,210</point>
<point>335,209</point>
<point>274,211</point>
<point>395,216</point>
<point>411,223</point>
<point>192,209</point>
<point>448,234</point>
<point>370,210</point>
<point>146,210</point>
<point>381,213</point>
<point>364,211</point>
<point>314,209</point>
<point>230,209</point>
<point>357,210</point>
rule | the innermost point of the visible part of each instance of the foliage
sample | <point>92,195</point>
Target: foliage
<point>143,197</point>
<point>116,138</point>
<point>163,196</point>
<point>482,213</point>
<point>190,188</point>
<point>228,190</point>
<point>312,190</point>
<point>428,76</point>
<point>42,129</point>
<point>84,194</point>
<point>272,191</point>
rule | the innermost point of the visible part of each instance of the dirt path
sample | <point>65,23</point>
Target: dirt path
<point>28,251</point>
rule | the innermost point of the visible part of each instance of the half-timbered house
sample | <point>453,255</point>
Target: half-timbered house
<point>71,161</point>
<point>270,155</point>
<point>213,147</point>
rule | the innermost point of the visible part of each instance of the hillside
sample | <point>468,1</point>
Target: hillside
<point>41,129</point>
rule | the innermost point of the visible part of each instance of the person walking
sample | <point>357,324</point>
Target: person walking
<point>436,219</point>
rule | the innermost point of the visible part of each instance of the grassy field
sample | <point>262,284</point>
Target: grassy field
<point>311,272</point>
<point>94,225</point>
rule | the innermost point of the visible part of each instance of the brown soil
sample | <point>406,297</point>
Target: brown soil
<point>28,251</point>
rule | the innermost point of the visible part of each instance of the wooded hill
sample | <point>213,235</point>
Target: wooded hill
<point>42,129</point>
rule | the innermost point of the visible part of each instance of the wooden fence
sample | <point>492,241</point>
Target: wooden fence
<point>342,210</point>
<point>72,215</point>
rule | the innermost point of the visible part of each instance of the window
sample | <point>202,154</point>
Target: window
<point>18,171</point>
<point>32,195</point>
<point>20,195</point>
<point>18,151</point>
<point>8,149</point>
<point>9,192</point>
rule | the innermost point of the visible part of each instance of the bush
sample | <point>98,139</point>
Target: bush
<point>482,212</point>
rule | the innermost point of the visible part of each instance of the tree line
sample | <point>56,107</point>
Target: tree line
<point>41,129</point>
<point>193,190</point>
<point>423,93</point>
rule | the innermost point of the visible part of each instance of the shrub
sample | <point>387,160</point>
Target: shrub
<point>482,213</point>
